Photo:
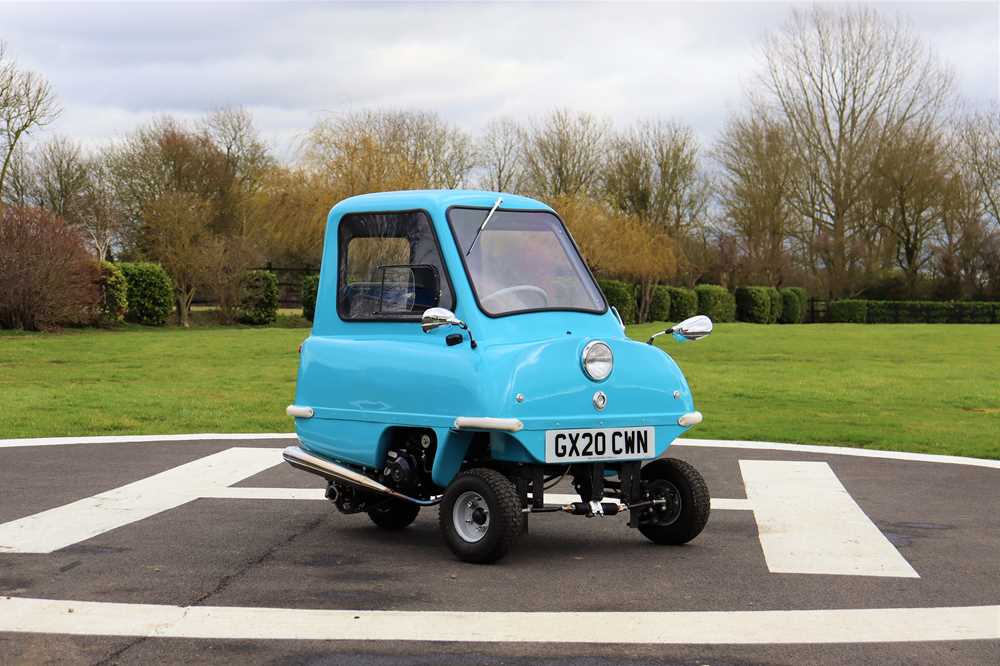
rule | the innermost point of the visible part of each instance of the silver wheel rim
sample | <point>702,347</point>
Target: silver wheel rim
<point>471,516</point>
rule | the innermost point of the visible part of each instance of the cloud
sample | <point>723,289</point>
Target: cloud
<point>117,65</point>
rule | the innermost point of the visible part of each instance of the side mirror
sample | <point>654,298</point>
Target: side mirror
<point>437,317</point>
<point>693,328</point>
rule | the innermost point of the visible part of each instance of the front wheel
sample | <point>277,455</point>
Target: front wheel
<point>480,516</point>
<point>683,511</point>
<point>393,514</point>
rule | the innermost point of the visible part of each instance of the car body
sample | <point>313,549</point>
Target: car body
<point>498,372</point>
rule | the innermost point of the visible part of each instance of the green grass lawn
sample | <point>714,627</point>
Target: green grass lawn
<point>931,388</point>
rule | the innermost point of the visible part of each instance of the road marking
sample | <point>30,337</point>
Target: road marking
<point>838,451</point>
<point>143,439</point>
<point>86,518</point>
<point>882,625</point>
<point>807,522</point>
<point>210,477</point>
<point>244,492</point>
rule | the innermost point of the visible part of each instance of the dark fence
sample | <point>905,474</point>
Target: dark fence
<point>818,311</point>
<point>289,283</point>
<point>289,286</point>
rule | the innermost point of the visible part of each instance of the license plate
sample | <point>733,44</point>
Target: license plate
<point>596,444</point>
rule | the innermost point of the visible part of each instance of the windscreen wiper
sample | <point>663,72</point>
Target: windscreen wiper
<point>483,225</point>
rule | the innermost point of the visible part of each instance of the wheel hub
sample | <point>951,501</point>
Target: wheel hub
<point>667,511</point>
<point>471,516</point>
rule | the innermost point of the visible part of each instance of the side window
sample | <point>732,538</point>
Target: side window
<point>390,267</point>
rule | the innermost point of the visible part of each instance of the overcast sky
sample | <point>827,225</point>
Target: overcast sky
<point>115,66</point>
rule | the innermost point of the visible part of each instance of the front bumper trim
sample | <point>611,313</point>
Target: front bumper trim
<point>299,411</point>
<point>487,423</point>
<point>690,419</point>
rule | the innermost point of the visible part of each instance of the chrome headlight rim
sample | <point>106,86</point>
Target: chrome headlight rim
<point>585,360</point>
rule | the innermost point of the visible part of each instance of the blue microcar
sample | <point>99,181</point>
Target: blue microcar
<point>462,355</point>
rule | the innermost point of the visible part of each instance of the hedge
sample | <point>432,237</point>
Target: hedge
<point>683,303</point>
<point>850,311</point>
<point>114,294</point>
<point>776,305</point>
<point>258,304</point>
<point>716,302</point>
<point>792,305</point>
<point>310,287</point>
<point>918,312</point>
<point>621,296</point>
<point>659,309</point>
<point>753,304</point>
<point>149,292</point>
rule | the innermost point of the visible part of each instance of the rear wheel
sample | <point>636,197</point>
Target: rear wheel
<point>683,513</point>
<point>393,514</point>
<point>480,516</point>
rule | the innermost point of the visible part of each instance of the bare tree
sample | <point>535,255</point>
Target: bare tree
<point>288,215</point>
<point>757,179</point>
<point>653,171</point>
<point>61,177</point>
<point>564,154</point>
<point>161,158</point>
<point>100,215</point>
<point>20,185</point>
<point>27,102</point>
<point>500,155</point>
<point>179,235</point>
<point>981,139</point>
<point>371,151</point>
<point>846,82</point>
<point>963,239</point>
<point>246,160</point>
<point>906,190</point>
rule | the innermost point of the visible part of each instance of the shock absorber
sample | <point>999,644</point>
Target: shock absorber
<point>591,509</point>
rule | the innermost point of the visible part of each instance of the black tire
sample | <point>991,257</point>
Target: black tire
<point>393,514</point>
<point>498,504</point>
<point>671,476</point>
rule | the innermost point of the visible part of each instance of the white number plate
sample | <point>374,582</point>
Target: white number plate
<point>596,444</point>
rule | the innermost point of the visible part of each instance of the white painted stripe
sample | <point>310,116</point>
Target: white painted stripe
<point>882,625</point>
<point>268,493</point>
<point>86,518</point>
<point>723,504</point>
<point>141,439</point>
<point>208,477</point>
<point>808,523</point>
<point>709,443</point>
<point>838,451</point>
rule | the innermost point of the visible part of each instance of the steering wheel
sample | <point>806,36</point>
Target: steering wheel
<point>500,293</point>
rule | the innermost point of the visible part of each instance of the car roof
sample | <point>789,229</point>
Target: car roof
<point>436,200</point>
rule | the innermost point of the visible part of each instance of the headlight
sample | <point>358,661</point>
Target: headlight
<point>597,361</point>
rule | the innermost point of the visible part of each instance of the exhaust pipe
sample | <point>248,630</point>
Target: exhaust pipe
<point>299,458</point>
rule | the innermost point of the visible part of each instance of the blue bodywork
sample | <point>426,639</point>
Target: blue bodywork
<point>363,379</point>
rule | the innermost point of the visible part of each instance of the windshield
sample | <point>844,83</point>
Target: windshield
<point>523,262</point>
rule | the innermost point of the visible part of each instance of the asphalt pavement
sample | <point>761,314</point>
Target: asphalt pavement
<point>800,545</point>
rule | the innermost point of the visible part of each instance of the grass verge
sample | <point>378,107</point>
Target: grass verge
<point>927,388</point>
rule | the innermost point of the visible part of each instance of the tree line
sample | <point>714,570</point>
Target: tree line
<point>852,169</point>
